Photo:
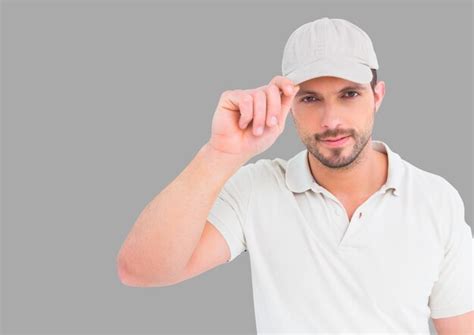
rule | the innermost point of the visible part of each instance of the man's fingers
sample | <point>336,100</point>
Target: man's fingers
<point>269,101</point>
<point>246,110</point>
<point>289,90</point>
<point>259,112</point>
<point>284,84</point>
<point>230,99</point>
<point>263,104</point>
<point>273,105</point>
<point>286,105</point>
<point>286,100</point>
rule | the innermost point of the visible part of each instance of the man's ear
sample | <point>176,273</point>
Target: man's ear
<point>379,93</point>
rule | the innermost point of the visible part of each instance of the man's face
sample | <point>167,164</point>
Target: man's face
<point>332,107</point>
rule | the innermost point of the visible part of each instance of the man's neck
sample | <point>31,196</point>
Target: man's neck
<point>368,174</point>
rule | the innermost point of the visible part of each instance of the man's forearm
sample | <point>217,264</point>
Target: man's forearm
<point>168,229</point>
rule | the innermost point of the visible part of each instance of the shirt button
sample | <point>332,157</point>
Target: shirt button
<point>360,215</point>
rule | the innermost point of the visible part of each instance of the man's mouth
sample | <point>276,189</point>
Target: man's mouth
<point>337,142</point>
<point>335,139</point>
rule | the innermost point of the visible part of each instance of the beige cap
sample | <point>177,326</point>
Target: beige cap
<point>329,47</point>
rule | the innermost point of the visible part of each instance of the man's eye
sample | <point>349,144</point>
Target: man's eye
<point>304,99</point>
<point>352,92</point>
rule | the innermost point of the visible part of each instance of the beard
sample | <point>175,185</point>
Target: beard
<point>344,157</point>
<point>341,158</point>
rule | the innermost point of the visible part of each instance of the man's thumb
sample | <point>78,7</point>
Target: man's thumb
<point>287,102</point>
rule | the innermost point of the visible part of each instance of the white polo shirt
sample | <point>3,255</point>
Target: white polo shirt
<point>405,256</point>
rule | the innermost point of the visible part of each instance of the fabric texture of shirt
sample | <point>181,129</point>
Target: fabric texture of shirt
<point>403,257</point>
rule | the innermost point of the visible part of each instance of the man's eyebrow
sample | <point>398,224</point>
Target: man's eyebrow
<point>347,88</point>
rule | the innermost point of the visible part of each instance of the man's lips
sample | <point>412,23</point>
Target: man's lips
<point>335,139</point>
<point>339,142</point>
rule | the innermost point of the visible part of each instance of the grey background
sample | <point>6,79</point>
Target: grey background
<point>105,102</point>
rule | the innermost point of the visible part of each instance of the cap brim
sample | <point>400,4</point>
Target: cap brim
<point>352,71</point>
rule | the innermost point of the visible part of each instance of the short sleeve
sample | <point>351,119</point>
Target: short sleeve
<point>229,211</point>
<point>452,293</point>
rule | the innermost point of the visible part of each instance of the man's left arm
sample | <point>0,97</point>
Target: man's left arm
<point>456,325</point>
<point>451,298</point>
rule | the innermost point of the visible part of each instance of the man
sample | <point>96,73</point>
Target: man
<point>346,236</point>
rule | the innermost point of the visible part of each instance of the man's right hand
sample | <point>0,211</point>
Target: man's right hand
<point>240,113</point>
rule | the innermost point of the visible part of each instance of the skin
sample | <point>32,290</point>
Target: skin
<point>355,170</point>
<point>456,325</point>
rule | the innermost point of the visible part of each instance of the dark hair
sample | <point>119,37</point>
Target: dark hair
<point>374,79</point>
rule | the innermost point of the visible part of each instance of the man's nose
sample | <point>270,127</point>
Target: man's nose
<point>331,116</point>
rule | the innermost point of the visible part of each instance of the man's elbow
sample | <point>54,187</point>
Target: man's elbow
<point>128,279</point>
<point>122,272</point>
<point>124,275</point>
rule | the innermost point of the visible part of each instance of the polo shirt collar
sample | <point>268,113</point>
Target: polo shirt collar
<point>299,178</point>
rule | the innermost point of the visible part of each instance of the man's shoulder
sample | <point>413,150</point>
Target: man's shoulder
<point>426,181</point>
<point>270,168</point>
<point>263,171</point>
